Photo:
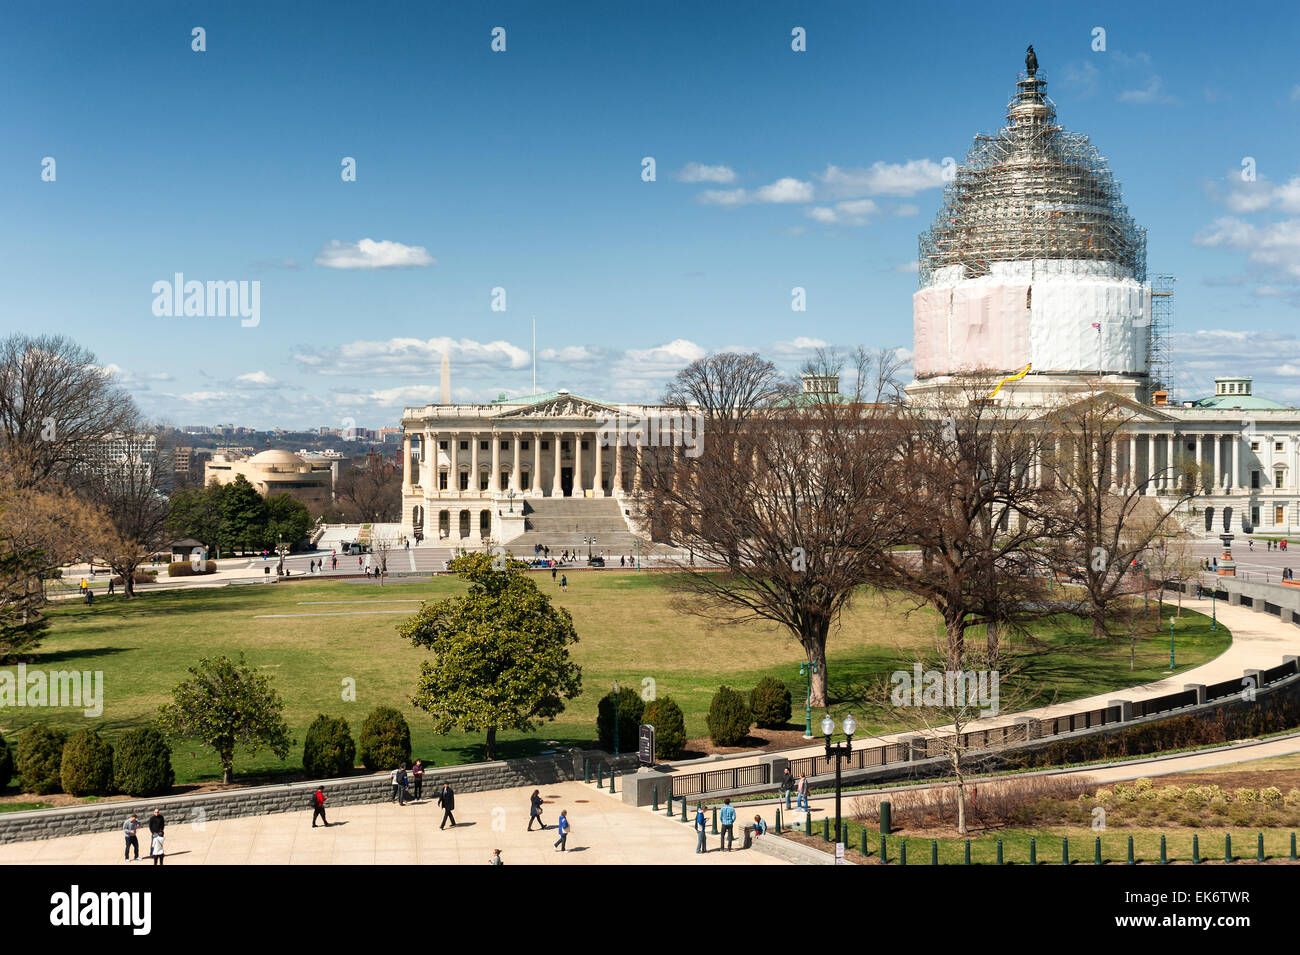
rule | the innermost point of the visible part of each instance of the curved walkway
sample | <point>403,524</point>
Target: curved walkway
<point>1259,641</point>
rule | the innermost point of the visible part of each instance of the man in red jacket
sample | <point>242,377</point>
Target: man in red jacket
<point>318,806</point>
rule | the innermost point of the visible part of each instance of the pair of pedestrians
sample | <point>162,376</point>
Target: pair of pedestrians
<point>156,826</point>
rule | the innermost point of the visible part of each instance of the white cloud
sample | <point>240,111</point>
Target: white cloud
<point>256,378</point>
<point>913,267</point>
<point>882,179</point>
<point>411,356</point>
<point>698,172</point>
<point>723,197</point>
<point>853,212</point>
<point>1275,245</point>
<point>571,354</point>
<point>1151,93</point>
<point>369,254</point>
<point>905,209</point>
<point>783,190</point>
<point>1295,93</point>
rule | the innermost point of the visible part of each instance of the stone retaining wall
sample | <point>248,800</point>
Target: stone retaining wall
<point>295,797</point>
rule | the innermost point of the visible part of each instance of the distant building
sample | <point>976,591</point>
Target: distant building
<point>277,472</point>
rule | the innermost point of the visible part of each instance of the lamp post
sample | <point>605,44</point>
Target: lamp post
<point>616,717</point>
<point>839,752</point>
<point>1214,608</point>
<point>511,496</point>
<point>807,669</point>
<point>1171,643</point>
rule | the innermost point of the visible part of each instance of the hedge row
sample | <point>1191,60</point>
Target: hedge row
<point>183,568</point>
<point>47,761</point>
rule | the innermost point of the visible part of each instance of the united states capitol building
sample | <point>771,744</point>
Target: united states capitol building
<point>1033,268</point>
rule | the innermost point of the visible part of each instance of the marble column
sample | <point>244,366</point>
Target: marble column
<point>596,489</point>
<point>536,482</point>
<point>616,485</point>
<point>577,464</point>
<point>1151,464</point>
<point>1114,463</point>
<point>514,466</point>
<point>473,465</point>
<point>494,479</point>
<point>1234,477</point>
<point>636,471</point>
<point>1218,462</point>
<point>406,464</point>
<point>557,489</point>
<point>1171,482</point>
<point>1132,470</point>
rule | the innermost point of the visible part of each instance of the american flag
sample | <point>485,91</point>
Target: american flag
<point>1097,325</point>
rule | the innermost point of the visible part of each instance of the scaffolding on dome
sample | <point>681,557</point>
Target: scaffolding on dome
<point>1034,190</point>
<point>1161,333</point>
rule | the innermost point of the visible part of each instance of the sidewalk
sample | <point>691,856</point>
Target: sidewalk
<point>605,832</point>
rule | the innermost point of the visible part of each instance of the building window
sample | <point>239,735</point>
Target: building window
<point>464,445</point>
<point>442,445</point>
<point>442,480</point>
<point>1279,514</point>
<point>483,481</point>
<point>1254,445</point>
<point>1278,446</point>
<point>1254,517</point>
<point>524,483</point>
<point>564,445</point>
<point>546,445</point>
<point>523,445</point>
<point>584,445</point>
<point>464,480</point>
<point>505,480</point>
<point>1254,480</point>
<point>1279,477</point>
<point>505,445</point>
<point>482,445</point>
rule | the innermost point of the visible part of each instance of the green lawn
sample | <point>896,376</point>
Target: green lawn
<point>627,628</point>
<point>1081,846</point>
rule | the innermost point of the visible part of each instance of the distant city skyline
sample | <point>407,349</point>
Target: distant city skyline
<point>356,195</point>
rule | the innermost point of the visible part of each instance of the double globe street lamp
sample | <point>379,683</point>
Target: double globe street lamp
<point>838,752</point>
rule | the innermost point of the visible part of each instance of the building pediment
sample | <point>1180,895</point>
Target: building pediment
<point>564,406</point>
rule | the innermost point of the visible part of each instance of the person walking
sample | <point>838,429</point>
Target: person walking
<point>447,800</point>
<point>564,582</point>
<point>110,585</point>
<point>552,572</point>
<point>398,780</point>
<point>417,774</point>
<point>727,816</point>
<point>535,810</point>
<point>787,785</point>
<point>563,827</point>
<point>156,826</point>
<point>318,807</point>
<point>496,857</point>
<point>803,791</point>
<point>699,829</point>
<point>129,829</point>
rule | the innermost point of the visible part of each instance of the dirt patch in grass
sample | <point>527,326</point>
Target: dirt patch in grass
<point>786,737</point>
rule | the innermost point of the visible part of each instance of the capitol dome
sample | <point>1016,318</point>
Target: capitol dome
<point>277,459</point>
<point>1033,260</point>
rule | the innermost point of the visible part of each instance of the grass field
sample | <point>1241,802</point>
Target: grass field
<point>627,632</point>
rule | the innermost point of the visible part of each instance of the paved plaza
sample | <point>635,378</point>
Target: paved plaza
<point>605,832</point>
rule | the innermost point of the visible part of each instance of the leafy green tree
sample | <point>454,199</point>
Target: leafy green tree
<point>87,766</point>
<point>142,764</point>
<point>328,749</point>
<point>287,520</point>
<point>500,653</point>
<point>196,512</point>
<point>385,739</point>
<point>22,623</point>
<point>40,757</point>
<point>630,709</point>
<point>224,705</point>
<point>670,727</point>
<point>243,516</point>
<point>770,703</point>
<point>6,764</point>
<point>729,717</point>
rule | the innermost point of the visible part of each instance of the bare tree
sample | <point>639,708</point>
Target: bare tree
<point>783,515</point>
<point>972,506</point>
<point>727,389</point>
<point>56,402</point>
<point>126,487</point>
<point>370,490</point>
<point>1115,518</point>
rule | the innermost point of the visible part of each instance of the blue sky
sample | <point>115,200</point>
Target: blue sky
<point>522,170</point>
